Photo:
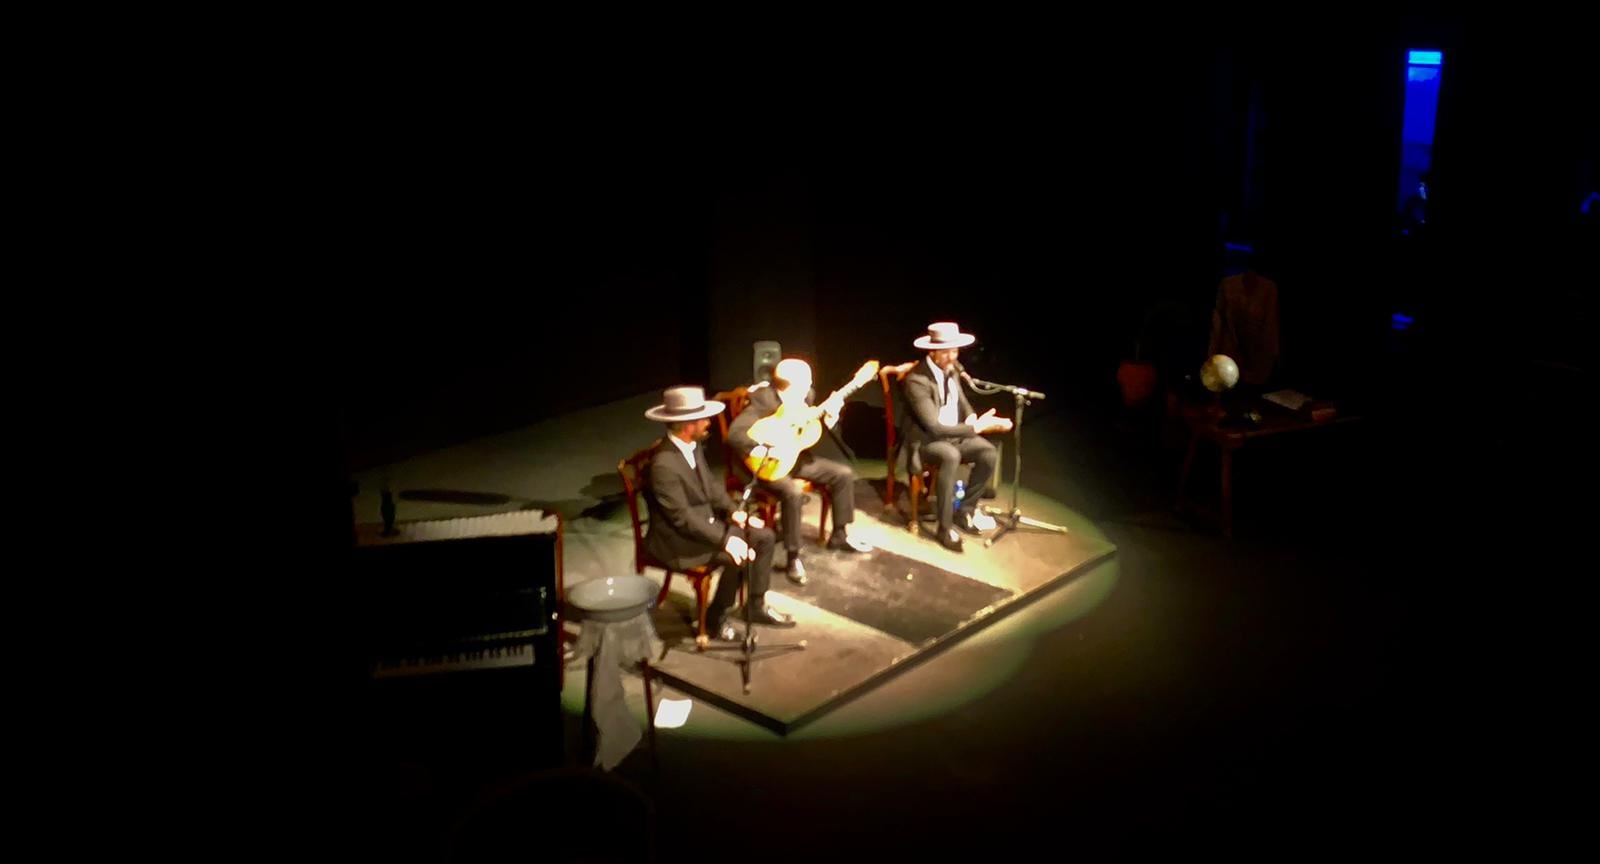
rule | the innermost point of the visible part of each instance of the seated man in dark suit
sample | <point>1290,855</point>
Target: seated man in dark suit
<point>791,385</point>
<point>694,522</point>
<point>940,421</point>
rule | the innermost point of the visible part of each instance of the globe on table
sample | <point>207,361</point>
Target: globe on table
<point>1219,373</point>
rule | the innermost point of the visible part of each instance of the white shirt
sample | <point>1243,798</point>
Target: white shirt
<point>950,411</point>
<point>686,448</point>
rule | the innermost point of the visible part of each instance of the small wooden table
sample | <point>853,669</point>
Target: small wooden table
<point>1206,424</point>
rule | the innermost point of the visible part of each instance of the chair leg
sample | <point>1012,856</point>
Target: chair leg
<point>822,521</point>
<point>916,496</point>
<point>666,583</point>
<point>702,593</point>
<point>888,485</point>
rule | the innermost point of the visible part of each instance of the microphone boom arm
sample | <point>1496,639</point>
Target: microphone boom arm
<point>988,387</point>
<point>1013,520</point>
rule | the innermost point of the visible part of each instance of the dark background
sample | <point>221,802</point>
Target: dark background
<point>638,221</point>
<point>486,249</point>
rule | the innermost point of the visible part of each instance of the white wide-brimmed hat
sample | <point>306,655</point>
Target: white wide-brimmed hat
<point>943,335</point>
<point>684,403</point>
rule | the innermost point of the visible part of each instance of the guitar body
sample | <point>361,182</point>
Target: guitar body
<point>792,430</point>
<point>792,433</point>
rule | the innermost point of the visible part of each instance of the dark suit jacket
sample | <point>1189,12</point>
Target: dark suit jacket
<point>923,398</point>
<point>688,508</point>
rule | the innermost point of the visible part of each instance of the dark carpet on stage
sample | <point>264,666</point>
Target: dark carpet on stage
<point>873,589</point>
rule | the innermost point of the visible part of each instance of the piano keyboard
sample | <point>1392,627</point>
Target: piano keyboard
<point>458,595</point>
<point>500,657</point>
<point>515,523</point>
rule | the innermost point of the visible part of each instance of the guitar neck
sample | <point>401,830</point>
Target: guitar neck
<point>843,392</point>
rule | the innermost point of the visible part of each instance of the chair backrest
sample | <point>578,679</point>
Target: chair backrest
<point>737,400</point>
<point>890,377</point>
<point>635,473</point>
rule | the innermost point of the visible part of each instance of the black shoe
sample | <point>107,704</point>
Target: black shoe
<point>842,542</point>
<point>796,570</point>
<point>964,522</point>
<point>950,540</point>
<point>722,628</point>
<point>763,614</point>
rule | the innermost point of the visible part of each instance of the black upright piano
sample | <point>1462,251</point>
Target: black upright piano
<point>460,641</point>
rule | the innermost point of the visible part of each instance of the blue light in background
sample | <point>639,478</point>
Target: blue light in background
<point>1423,71</point>
<point>1422,108</point>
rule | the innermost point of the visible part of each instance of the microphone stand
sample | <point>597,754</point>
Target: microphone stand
<point>747,646</point>
<point>1010,521</point>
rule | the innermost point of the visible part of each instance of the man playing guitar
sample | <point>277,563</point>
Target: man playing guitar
<point>785,403</point>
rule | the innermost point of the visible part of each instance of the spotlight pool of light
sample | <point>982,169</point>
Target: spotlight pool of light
<point>957,675</point>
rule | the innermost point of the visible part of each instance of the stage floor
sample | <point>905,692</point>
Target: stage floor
<point>865,618</point>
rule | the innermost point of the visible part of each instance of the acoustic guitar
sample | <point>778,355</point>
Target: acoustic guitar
<point>791,430</point>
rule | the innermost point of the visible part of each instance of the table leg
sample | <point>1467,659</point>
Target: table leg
<point>1227,492</point>
<point>587,752</point>
<point>1188,463</point>
<point>650,717</point>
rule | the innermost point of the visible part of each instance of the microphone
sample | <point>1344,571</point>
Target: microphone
<point>1020,391</point>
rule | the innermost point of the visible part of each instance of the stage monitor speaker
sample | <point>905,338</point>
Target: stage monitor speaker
<point>768,354</point>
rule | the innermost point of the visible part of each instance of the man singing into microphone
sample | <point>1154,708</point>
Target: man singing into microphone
<point>938,403</point>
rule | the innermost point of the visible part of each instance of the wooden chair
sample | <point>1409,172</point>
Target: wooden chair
<point>635,472</point>
<point>736,475</point>
<point>921,479</point>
